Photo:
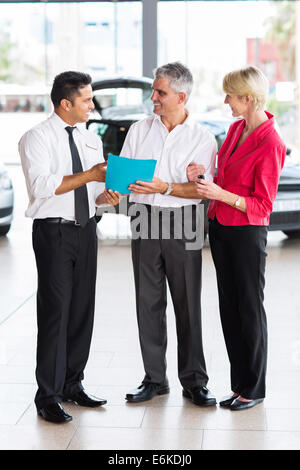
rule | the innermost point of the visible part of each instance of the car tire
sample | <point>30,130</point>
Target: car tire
<point>292,233</point>
<point>4,229</point>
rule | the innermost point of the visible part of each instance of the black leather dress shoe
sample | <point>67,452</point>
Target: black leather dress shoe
<point>200,396</point>
<point>226,401</point>
<point>54,413</point>
<point>83,398</point>
<point>244,405</point>
<point>146,391</point>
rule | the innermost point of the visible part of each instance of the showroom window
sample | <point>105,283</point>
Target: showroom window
<point>39,40</point>
<point>215,37</point>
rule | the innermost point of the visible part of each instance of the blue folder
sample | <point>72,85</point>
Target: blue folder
<point>121,172</point>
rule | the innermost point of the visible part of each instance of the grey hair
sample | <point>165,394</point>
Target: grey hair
<point>181,78</point>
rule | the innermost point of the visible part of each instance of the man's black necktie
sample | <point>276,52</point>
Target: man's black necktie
<point>80,194</point>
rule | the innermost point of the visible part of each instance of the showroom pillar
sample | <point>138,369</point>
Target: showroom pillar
<point>149,37</point>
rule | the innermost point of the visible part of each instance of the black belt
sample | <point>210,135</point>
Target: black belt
<point>60,220</point>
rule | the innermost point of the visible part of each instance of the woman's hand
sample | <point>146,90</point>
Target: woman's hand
<point>142,187</point>
<point>112,197</point>
<point>209,190</point>
<point>194,170</point>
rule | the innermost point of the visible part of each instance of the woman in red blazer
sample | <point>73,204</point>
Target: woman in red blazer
<point>241,199</point>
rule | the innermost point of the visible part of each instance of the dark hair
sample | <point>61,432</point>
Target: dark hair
<point>68,84</point>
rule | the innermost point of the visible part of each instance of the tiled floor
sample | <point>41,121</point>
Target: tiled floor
<point>115,367</point>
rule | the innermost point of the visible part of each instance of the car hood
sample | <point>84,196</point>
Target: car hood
<point>123,82</point>
<point>2,167</point>
<point>114,112</point>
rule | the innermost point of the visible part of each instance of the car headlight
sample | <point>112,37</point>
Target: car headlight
<point>5,181</point>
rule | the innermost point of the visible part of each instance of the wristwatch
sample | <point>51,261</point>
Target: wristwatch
<point>169,190</point>
<point>237,202</point>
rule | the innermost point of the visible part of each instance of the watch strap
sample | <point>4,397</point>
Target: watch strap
<point>169,190</point>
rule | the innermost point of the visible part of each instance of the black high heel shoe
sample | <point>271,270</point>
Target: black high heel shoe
<point>244,405</point>
<point>227,400</point>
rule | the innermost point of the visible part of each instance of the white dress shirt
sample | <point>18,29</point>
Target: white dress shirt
<point>174,151</point>
<point>46,158</point>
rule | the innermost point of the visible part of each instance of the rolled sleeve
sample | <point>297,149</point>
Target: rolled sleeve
<point>35,161</point>
<point>260,201</point>
<point>207,157</point>
<point>44,186</point>
<point>211,153</point>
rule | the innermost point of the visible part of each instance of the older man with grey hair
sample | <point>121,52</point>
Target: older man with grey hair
<point>180,145</point>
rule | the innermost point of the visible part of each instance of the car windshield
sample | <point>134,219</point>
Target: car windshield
<point>113,103</point>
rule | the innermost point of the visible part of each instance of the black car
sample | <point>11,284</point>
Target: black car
<point>286,208</point>
<point>119,102</point>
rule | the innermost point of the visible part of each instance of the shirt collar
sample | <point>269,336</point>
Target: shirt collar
<point>265,127</point>
<point>188,121</point>
<point>60,123</point>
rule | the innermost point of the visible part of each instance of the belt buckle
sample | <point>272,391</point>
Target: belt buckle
<point>76,223</point>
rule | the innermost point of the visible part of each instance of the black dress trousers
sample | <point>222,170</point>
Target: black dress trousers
<point>156,262</point>
<point>239,257</point>
<point>66,259</point>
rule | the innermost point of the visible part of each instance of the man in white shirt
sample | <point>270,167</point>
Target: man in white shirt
<point>177,142</point>
<point>64,171</point>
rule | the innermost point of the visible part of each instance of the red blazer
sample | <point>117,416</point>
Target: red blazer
<point>252,171</point>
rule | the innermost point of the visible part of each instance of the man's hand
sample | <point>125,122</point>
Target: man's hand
<point>112,197</point>
<point>109,197</point>
<point>71,182</point>
<point>194,170</point>
<point>142,187</point>
<point>98,172</point>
